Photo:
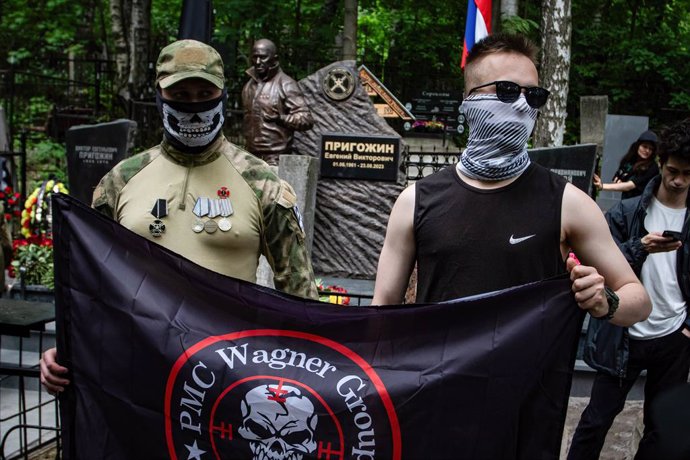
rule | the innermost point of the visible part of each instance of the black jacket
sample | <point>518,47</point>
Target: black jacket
<point>606,345</point>
<point>626,222</point>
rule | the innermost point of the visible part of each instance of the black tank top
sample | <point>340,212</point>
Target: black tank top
<point>471,241</point>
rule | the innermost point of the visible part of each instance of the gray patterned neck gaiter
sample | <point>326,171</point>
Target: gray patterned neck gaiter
<point>497,146</point>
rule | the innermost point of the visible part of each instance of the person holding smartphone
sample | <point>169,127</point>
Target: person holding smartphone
<point>653,232</point>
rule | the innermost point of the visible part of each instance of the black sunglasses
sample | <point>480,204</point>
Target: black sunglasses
<point>509,92</point>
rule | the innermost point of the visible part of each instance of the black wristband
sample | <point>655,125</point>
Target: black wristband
<point>613,300</point>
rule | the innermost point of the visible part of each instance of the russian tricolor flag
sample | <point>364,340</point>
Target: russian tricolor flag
<point>478,24</point>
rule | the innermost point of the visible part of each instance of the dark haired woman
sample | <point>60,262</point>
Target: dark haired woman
<point>636,169</point>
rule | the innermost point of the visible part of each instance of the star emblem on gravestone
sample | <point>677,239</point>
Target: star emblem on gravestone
<point>339,83</point>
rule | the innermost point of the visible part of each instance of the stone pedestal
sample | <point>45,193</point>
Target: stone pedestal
<point>593,111</point>
<point>302,172</point>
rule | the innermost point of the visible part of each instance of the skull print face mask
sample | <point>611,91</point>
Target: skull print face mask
<point>192,126</point>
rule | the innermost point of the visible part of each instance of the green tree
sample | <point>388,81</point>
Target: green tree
<point>634,52</point>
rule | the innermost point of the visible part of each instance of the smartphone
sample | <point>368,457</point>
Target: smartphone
<point>670,233</point>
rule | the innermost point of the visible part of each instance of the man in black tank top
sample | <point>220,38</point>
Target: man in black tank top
<point>496,221</point>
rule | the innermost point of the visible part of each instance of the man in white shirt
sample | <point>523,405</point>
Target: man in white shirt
<point>660,344</point>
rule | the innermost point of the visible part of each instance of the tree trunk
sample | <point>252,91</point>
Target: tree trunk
<point>120,12</point>
<point>509,8</point>
<point>139,46</point>
<point>350,30</point>
<point>556,25</point>
<point>131,24</point>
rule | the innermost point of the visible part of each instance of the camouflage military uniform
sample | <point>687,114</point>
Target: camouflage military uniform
<point>264,219</point>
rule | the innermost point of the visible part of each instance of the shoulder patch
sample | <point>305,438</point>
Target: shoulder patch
<point>286,197</point>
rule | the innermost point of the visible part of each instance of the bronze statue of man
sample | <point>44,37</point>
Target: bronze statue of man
<point>274,106</point>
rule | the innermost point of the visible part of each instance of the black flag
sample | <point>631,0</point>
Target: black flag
<point>196,20</point>
<point>170,360</point>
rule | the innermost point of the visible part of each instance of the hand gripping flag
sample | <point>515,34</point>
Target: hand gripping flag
<point>169,360</point>
<point>478,25</point>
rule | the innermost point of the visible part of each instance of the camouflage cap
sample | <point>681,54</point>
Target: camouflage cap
<point>185,59</point>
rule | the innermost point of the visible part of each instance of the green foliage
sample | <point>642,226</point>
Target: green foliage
<point>46,159</point>
<point>34,263</point>
<point>518,25</point>
<point>165,20</point>
<point>34,112</point>
<point>413,45</point>
<point>35,29</point>
<point>636,52</point>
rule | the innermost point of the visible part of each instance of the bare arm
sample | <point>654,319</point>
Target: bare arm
<point>398,253</point>
<point>619,186</point>
<point>613,186</point>
<point>584,230</point>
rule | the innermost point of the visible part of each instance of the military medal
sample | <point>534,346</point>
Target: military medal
<point>224,225</point>
<point>198,226</point>
<point>213,208</point>
<point>225,208</point>
<point>160,210</point>
<point>157,228</point>
<point>201,207</point>
<point>210,226</point>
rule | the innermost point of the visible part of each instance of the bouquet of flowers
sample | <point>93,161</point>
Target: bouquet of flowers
<point>33,255</point>
<point>33,260</point>
<point>36,216</point>
<point>332,293</point>
<point>10,203</point>
<point>429,126</point>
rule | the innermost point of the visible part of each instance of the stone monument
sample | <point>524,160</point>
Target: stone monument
<point>351,214</point>
<point>93,150</point>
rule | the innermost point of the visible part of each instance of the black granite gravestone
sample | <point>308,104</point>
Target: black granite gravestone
<point>574,162</point>
<point>92,151</point>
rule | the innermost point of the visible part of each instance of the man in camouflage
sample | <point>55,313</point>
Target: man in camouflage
<point>199,195</point>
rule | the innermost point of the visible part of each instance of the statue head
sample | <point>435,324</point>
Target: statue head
<point>264,57</point>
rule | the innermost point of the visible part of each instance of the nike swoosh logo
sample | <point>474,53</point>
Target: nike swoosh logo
<point>520,240</point>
